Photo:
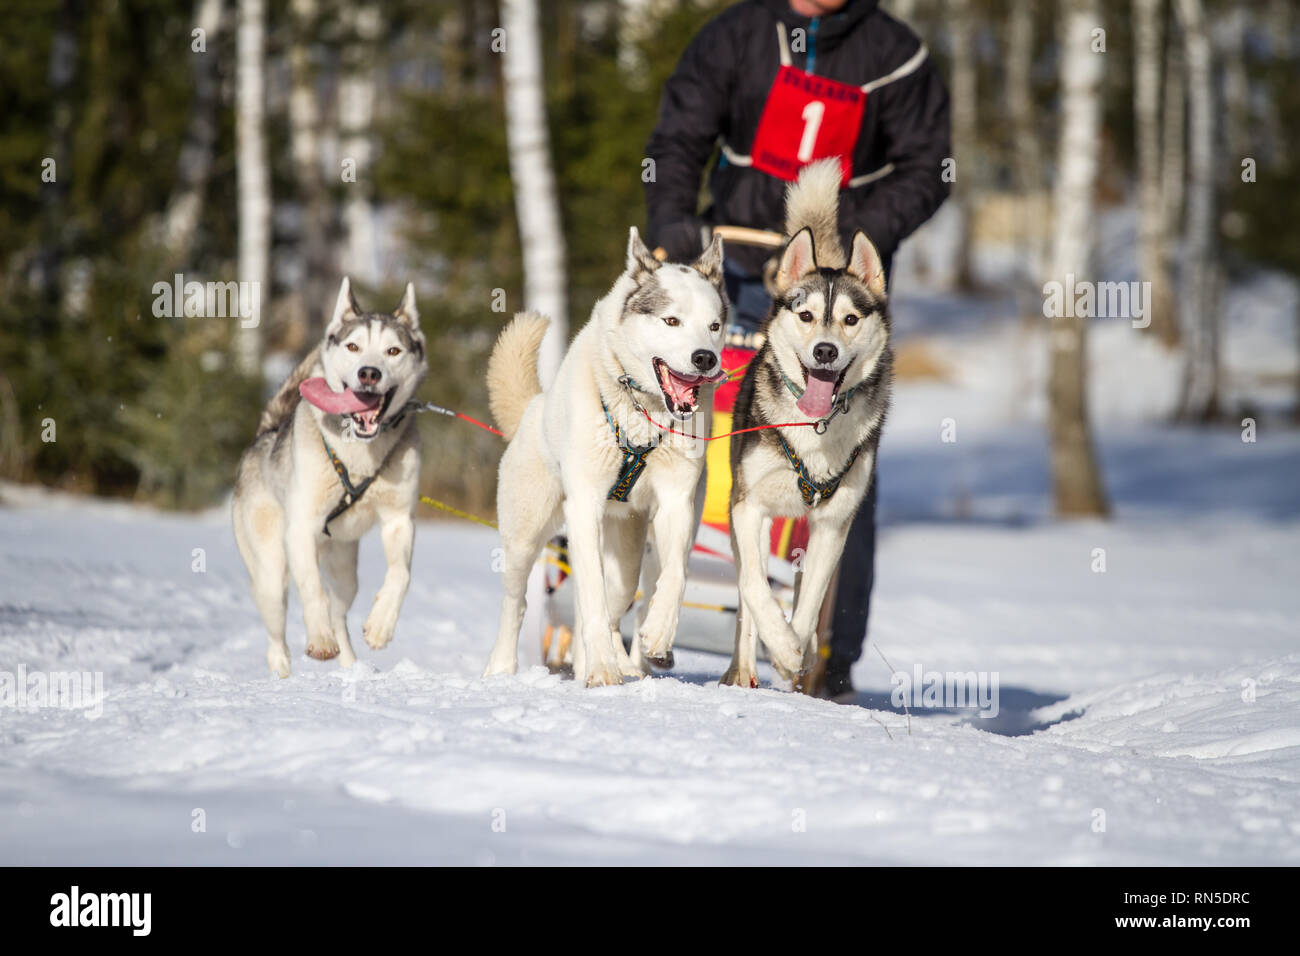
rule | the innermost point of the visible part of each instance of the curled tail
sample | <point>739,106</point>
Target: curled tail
<point>512,370</point>
<point>813,202</point>
<point>286,400</point>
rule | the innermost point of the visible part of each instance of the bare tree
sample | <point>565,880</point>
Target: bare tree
<point>305,148</point>
<point>1027,163</point>
<point>1076,476</point>
<point>356,117</point>
<point>536,201</point>
<point>184,206</point>
<point>1153,258</point>
<point>1174,135</point>
<point>964,124</point>
<point>1200,269</point>
<point>253,178</point>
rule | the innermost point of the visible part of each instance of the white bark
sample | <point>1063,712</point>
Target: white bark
<point>536,201</point>
<point>1200,281</point>
<point>356,116</point>
<point>1076,477</point>
<point>1174,146</point>
<point>1153,262</point>
<point>181,219</point>
<point>1028,160</point>
<point>309,313</point>
<point>253,180</point>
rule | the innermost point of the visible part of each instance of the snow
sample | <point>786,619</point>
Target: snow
<point>1147,714</point>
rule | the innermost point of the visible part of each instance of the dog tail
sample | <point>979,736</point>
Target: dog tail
<point>512,370</point>
<point>285,402</point>
<point>813,202</point>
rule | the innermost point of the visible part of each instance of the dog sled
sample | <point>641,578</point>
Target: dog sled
<point>708,615</point>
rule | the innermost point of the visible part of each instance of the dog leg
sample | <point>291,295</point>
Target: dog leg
<point>339,564</point>
<point>259,532</point>
<point>826,535</point>
<point>751,547</point>
<point>743,671</point>
<point>397,531</point>
<point>599,664</point>
<point>673,523</point>
<point>304,564</point>
<point>625,548</point>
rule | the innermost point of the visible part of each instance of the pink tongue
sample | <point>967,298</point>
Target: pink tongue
<point>318,392</point>
<point>816,399</point>
<point>678,389</point>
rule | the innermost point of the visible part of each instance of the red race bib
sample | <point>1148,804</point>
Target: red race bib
<point>807,118</point>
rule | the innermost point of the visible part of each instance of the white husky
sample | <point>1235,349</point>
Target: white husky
<point>322,472</point>
<point>583,454</point>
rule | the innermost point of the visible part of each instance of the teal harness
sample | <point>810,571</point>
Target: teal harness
<point>634,461</point>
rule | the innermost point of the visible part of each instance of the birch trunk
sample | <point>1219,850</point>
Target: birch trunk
<point>305,147</point>
<point>356,116</point>
<point>1174,136</point>
<point>1200,400</point>
<point>1028,159</point>
<point>1076,477</point>
<point>964,123</point>
<point>1153,258</point>
<point>253,180</point>
<point>181,218</point>
<point>536,202</point>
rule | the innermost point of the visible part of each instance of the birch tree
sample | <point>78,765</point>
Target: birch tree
<point>1200,269</point>
<point>1075,474</point>
<point>305,148</point>
<point>964,125</point>
<point>181,218</point>
<point>253,179</point>
<point>1028,159</point>
<point>1153,258</point>
<point>356,117</point>
<point>537,205</point>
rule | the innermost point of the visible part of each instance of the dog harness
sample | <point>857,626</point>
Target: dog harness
<point>634,461</point>
<point>814,492</point>
<point>351,493</point>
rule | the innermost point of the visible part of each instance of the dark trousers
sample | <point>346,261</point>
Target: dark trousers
<point>750,304</point>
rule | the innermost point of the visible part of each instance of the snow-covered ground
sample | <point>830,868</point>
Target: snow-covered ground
<point>1147,713</point>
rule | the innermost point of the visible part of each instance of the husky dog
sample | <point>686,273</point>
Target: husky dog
<point>321,472</point>
<point>582,453</point>
<point>825,359</point>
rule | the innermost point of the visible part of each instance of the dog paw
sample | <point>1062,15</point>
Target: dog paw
<point>739,677</point>
<point>379,626</point>
<point>277,658</point>
<point>784,650</point>
<point>322,648</point>
<point>496,668</point>
<point>664,663</point>
<point>604,677</point>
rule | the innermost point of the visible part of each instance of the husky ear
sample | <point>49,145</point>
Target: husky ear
<point>709,264</point>
<point>406,311</point>
<point>865,263</point>
<point>345,307</point>
<point>640,261</point>
<point>798,260</point>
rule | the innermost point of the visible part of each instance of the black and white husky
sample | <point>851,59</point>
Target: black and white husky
<point>323,471</point>
<point>582,454</point>
<point>826,360</point>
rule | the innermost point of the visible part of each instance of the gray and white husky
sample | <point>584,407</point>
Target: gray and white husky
<point>323,470</point>
<point>583,454</point>
<point>825,359</point>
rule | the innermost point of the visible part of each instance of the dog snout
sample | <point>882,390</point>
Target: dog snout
<point>704,360</point>
<point>369,375</point>
<point>825,353</point>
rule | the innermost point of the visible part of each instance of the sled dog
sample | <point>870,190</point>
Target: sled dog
<point>583,454</point>
<point>336,452</point>
<point>825,359</point>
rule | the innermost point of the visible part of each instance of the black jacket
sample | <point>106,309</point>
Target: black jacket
<point>718,91</point>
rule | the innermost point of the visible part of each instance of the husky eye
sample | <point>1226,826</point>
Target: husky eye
<point>672,320</point>
<point>850,319</point>
<point>805,316</point>
<point>715,326</point>
<point>353,347</point>
<point>396,351</point>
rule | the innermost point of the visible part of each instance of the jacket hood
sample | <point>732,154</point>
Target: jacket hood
<point>831,28</point>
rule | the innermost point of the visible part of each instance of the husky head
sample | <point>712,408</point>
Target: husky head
<point>828,327</point>
<point>669,335</point>
<point>375,355</point>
